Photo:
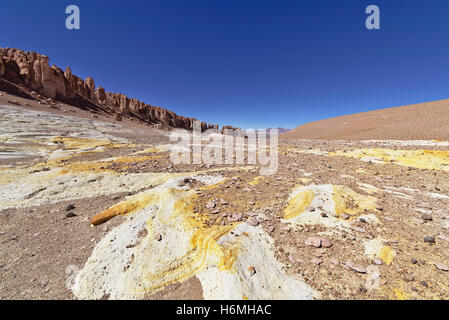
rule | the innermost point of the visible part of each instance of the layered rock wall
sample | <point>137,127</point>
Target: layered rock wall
<point>32,70</point>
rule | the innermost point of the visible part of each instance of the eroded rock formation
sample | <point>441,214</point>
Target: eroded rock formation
<point>31,70</point>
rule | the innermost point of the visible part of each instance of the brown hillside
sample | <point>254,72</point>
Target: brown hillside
<point>424,121</point>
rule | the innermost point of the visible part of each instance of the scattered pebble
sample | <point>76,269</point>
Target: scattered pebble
<point>358,229</point>
<point>429,239</point>
<point>409,277</point>
<point>70,215</point>
<point>210,205</point>
<point>358,269</point>
<point>326,242</point>
<point>158,237</point>
<point>252,222</point>
<point>313,242</point>
<point>291,258</point>
<point>251,271</point>
<point>443,237</point>
<point>70,207</point>
<point>441,266</point>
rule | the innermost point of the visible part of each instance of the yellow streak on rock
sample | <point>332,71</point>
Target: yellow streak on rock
<point>350,202</point>
<point>71,143</point>
<point>147,150</point>
<point>204,247</point>
<point>387,254</point>
<point>124,208</point>
<point>205,238</point>
<point>420,159</point>
<point>298,204</point>
<point>134,159</point>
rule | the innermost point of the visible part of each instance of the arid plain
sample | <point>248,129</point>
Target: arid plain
<point>93,208</point>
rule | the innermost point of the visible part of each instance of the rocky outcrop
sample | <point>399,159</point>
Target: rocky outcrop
<point>230,130</point>
<point>32,70</point>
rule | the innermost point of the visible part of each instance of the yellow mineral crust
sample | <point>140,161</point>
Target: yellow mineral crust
<point>378,248</point>
<point>149,150</point>
<point>255,181</point>
<point>204,239</point>
<point>175,210</point>
<point>73,143</point>
<point>350,202</point>
<point>387,254</point>
<point>298,204</point>
<point>399,294</point>
<point>420,159</point>
<point>123,208</point>
<point>332,200</point>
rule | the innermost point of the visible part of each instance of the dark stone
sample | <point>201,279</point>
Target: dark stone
<point>429,239</point>
<point>70,215</point>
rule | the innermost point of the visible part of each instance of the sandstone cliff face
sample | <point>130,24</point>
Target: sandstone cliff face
<point>32,70</point>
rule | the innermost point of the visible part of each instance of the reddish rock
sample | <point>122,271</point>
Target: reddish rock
<point>316,261</point>
<point>313,241</point>
<point>252,222</point>
<point>326,242</point>
<point>251,271</point>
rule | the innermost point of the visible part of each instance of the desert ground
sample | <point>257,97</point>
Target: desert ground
<point>93,208</point>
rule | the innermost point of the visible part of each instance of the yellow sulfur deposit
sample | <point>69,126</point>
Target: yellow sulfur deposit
<point>420,159</point>
<point>298,204</point>
<point>350,202</point>
<point>255,181</point>
<point>175,210</point>
<point>399,294</point>
<point>386,254</point>
<point>73,143</point>
<point>123,208</point>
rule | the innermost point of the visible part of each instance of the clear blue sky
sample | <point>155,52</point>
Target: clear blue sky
<point>251,64</point>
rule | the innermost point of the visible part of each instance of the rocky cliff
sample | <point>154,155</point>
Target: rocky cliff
<point>31,70</point>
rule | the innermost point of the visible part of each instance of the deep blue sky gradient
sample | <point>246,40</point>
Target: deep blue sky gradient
<point>251,64</point>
